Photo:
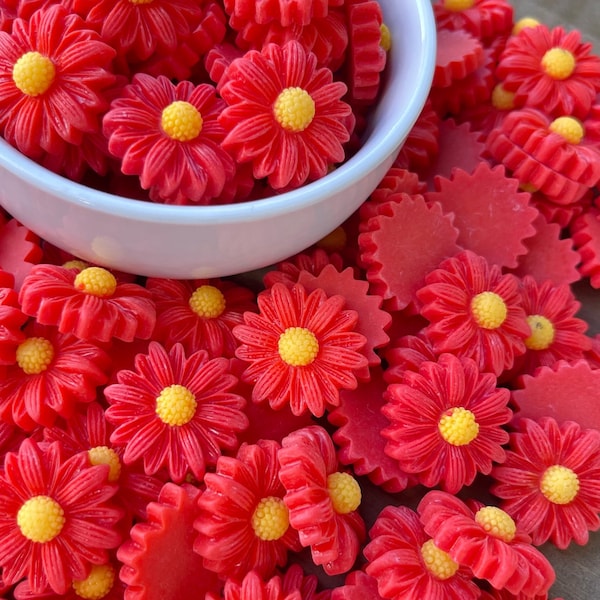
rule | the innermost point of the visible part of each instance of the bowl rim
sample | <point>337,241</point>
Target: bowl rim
<point>350,173</point>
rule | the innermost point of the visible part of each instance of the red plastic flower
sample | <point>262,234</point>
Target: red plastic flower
<point>550,69</point>
<point>549,483</point>
<point>199,314</point>
<point>243,524</point>
<point>322,500</point>
<point>53,373</point>
<point>487,541</point>
<point>284,114</point>
<point>169,135</point>
<point>446,422</point>
<point>407,564</point>
<point>56,518</point>
<point>53,72</point>
<point>90,304</point>
<point>11,321</point>
<point>253,587</point>
<point>474,310</point>
<point>302,349</point>
<point>175,412</point>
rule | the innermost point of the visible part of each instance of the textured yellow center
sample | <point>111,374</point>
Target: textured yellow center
<point>34,355</point>
<point>458,5</point>
<point>344,492</point>
<point>437,561</point>
<point>294,109</point>
<point>558,63</point>
<point>181,121</point>
<point>568,127</point>
<point>176,405</point>
<point>559,484</point>
<point>103,455</point>
<point>78,265</point>
<point>458,426</point>
<point>523,24</point>
<point>298,346</point>
<point>207,301</point>
<point>386,38</point>
<point>496,522</point>
<point>488,309</point>
<point>97,584</point>
<point>270,520</point>
<point>33,73</point>
<point>96,281</point>
<point>542,332</point>
<point>40,519</point>
<point>501,99</point>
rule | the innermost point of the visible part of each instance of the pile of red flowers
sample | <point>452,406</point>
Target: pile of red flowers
<point>389,414</point>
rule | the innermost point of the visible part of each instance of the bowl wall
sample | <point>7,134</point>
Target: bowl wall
<point>214,241</point>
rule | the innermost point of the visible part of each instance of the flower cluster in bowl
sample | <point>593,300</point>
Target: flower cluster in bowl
<point>199,102</point>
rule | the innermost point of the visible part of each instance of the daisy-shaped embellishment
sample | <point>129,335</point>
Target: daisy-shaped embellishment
<point>357,586</point>
<point>243,524</point>
<point>322,500</point>
<point>253,587</point>
<point>486,540</point>
<point>91,304</point>
<point>549,481</point>
<point>48,64</point>
<point>56,516</point>
<point>169,135</point>
<point>301,347</point>
<point>284,115</point>
<point>474,310</point>
<point>199,314</point>
<point>175,411</point>
<point>12,320</point>
<point>446,422</point>
<point>407,564</point>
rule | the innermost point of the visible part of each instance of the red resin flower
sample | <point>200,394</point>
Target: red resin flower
<point>56,517</point>
<point>357,586</point>
<point>243,524</point>
<point>474,310</point>
<point>585,235</point>
<point>294,578</point>
<point>446,422</point>
<point>90,304</point>
<point>549,481</point>
<point>19,250</point>
<point>53,373</point>
<point>53,72</point>
<point>253,587</point>
<point>299,12</point>
<point>302,349</point>
<point>487,541</point>
<point>284,114</point>
<point>407,564</point>
<point>12,320</point>
<point>550,69</point>
<point>322,500</point>
<point>406,352</point>
<point>199,314</point>
<point>169,135</point>
<point>175,412</point>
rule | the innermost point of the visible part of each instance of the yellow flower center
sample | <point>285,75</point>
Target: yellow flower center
<point>437,561</point>
<point>386,38</point>
<point>542,332</point>
<point>501,99</point>
<point>458,426</point>
<point>569,128</point>
<point>97,584</point>
<point>176,405</point>
<point>103,455</point>
<point>558,63</point>
<point>294,109</point>
<point>181,121</point>
<point>344,492</point>
<point>33,73</point>
<point>559,484</point>
<point>488,310</point>
<point>458,5</point>
<point>208,302</point>
<point>76,264</point>
<point>96,281</point>
<point>298,346</point>
<point>137,2</point>
<point>34,355</point>
<point>334,241</point>
<point>40,519</point>
<point>528,187</point>
<point>523,24</point>
<point>496,522</point>
<point>270,520</point>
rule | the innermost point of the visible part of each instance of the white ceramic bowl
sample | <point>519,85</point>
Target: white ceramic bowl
<point>184,242</point>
